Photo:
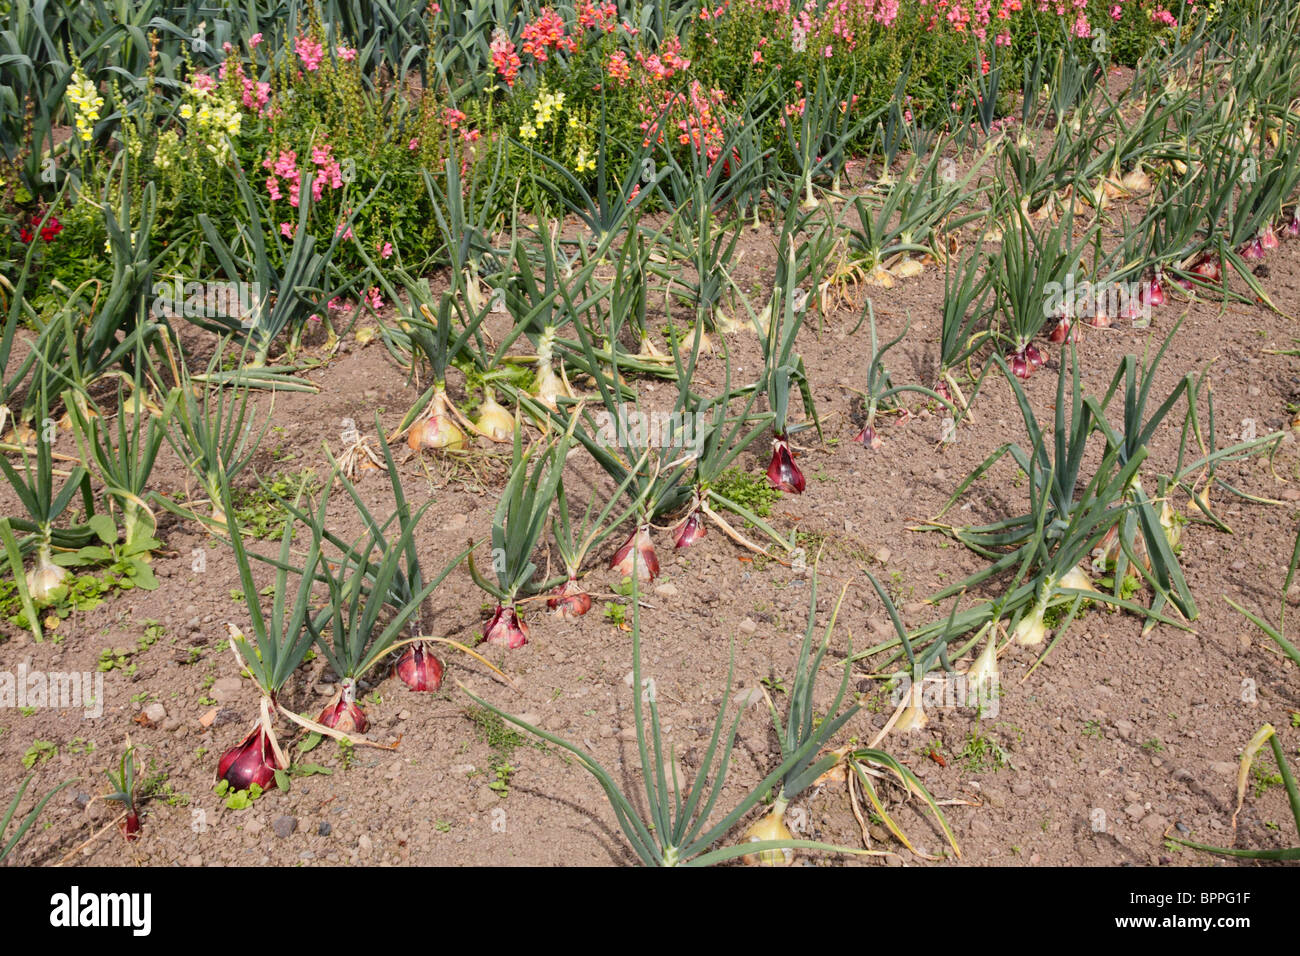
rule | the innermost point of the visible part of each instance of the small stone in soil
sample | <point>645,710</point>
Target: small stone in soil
<point>284,826</point>
<point>325,828</point>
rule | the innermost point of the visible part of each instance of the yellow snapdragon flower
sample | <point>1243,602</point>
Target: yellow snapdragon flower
<point>85,97</point>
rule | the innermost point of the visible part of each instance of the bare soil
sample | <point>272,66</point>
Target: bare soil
<point>1116,742</point>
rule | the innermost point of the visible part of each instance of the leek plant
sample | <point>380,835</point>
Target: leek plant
<point>674,829</point>
<point>293,278</point>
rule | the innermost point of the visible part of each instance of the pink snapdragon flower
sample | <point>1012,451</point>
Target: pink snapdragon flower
<point>310,52</point>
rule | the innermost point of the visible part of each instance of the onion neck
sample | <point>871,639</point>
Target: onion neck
<point>779,805</point>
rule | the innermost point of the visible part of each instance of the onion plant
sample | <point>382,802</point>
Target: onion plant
<point>465,215</point>
<point>884,233</point>
<point>1156,530</point>
<point>565,296</point>
<point>517,528</point>
<point>1067,518</point>
<point>392,577</point>
<point>214,431</point>
<point>783,368</point>
<point>125,790</point>
<point>433,422</point>
<point>800,728</point>
<point>699,235</point>
<point>880,393</point>
<point>1276,634</point>
<point>1029,266</point>
<point>279,643</point>
<point>123,457</point>
<point>1266,734</point>
<point>360,589</point>
<point>862,764</point>
<point>1206,467</point>
<point>1267,183</point>
<point>818,134</point>
<point>24,825</point>
<point>892,130</point>
<point>721,435</point>
<point>678,826</point>
<point>966,288</point>
<point>45,502</point>
<point>986,83</point>
<point>652,473</point>
<point>575,540</point>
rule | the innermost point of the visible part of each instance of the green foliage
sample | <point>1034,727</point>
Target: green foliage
<point>261,511</point>
<point>753,492</point>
